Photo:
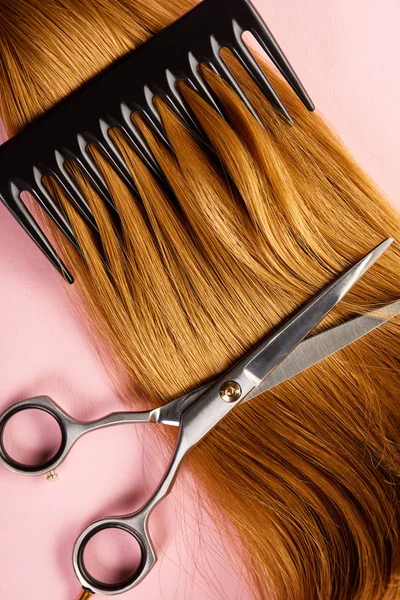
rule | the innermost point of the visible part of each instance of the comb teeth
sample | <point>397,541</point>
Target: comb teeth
<point>178,104</point>
<point>88,166</point>
<point>137,141</point>
<point>46,201</point>
<point>272,48</point>
<point>223,71</point>
<point>199,84</point>
<point>246,58</point>
<point>18,209</point>
<point>70,189</point>
<point>152,115</point>
<point>114,157</point>
<point>130,86</point>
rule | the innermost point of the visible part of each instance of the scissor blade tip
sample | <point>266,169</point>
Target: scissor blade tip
<point>386,243</point>
<point>389,240</point>
<point>381,248</point>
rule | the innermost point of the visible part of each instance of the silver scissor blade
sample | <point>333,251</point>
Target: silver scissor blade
<point>320,346</point>
<point>279,345</point>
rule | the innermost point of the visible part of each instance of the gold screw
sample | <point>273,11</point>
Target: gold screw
<point>85,595</point>
<point>51,476</point>
<point>230,391</point>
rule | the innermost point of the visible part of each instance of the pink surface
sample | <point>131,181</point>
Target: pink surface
<point>345,52</point>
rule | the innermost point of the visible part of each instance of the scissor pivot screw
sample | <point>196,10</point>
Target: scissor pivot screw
<point>230,391</point>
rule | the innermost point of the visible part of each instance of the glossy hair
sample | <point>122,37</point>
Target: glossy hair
<point>306,475</point>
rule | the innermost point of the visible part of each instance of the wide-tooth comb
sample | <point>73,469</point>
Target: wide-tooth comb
<point>128,86</point>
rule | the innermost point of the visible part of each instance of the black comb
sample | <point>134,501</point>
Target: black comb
<point>128,86</point>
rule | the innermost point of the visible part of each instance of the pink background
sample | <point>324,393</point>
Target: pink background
<point>345,52</point>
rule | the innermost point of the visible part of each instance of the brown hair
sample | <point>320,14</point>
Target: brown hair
<point>307,474</point>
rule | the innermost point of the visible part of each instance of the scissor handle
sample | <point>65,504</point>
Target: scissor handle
<point>70,431</point>
<point>136,526</point>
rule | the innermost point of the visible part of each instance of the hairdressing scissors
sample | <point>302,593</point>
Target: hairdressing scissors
<point>279,356</point>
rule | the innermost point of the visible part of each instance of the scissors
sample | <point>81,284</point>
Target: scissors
<point>279,356</point>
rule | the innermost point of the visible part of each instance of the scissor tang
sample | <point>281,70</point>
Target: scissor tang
<point>202,410</point>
